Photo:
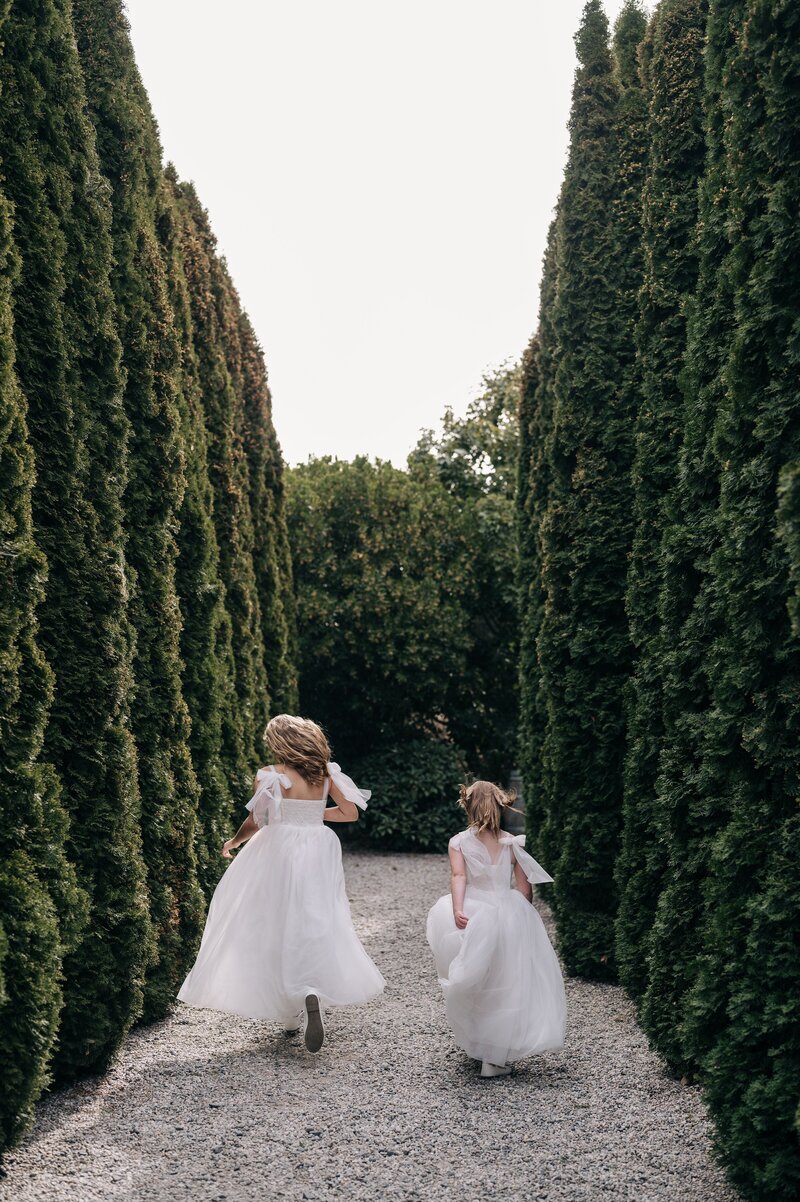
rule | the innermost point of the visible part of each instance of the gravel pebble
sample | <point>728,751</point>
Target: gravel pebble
<point>208,1107</point>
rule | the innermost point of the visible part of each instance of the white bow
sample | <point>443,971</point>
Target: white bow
<point>533,871</point>
<point>347,786</point>
<point>268,789</point>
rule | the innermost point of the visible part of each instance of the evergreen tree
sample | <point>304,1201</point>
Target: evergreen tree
<point>271,560</point>
<point>206,639</point>
<point>743,1011</point>
<point>384,565</point>
<point>583,642</point>
<point>690,808</point>
<point>475,458</point>
<point>42,910</point>
<point>219,363</point>
<point>68,364</point>
<point>674,78</point>
<point>536,410</point>
<point>130,157</point>
<point>789,526</point>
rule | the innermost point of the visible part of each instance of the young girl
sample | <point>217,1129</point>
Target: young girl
<point>279,942</point>
<point>502,983</point>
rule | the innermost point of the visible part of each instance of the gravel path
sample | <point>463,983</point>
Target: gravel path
<point>206,1106</point>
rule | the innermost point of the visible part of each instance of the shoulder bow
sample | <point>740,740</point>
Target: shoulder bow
<point>267,796</point>
<point>533,871</point>
<point>347,786</point>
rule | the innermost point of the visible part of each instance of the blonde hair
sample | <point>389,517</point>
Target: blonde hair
<point>300,744</point>
<point>484,804</point>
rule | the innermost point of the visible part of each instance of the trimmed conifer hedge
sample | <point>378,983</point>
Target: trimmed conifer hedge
<point>130,158</point>
<point>673,77</point>
<point>135,657</point>
<point>583,642</point>
<point>709,888</point>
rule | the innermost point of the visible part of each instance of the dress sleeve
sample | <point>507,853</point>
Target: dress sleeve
<point>533,871</point>
<point>347,787</point>
<point>267,797</point>
<point>455,842</point>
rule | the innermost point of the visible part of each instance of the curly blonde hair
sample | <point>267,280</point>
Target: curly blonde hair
<point>300,744</point>
<point>484,803</point>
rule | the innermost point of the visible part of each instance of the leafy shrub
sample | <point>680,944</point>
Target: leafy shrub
<point>414,796</point>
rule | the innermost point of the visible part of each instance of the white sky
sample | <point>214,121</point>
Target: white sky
<point>380,176</point>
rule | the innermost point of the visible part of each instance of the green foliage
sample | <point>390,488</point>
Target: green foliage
<point>691,811</point>
<point>215,320</point>
<point>475,458</point>
<point>674,77</point>
<point>133,681</point>
<point>130,158</point>
<point>42,910</point>
<point>585,530</point>
<point>382,566</point>
<point>31,998</point>
<point>414,795</point>
<point>67,354</point>
<point>271,559</point>
<point>789,529</point>
<point>708,871</point>
<point>476,455</point>
<point>741,1017</point>
<point>206,646</point>
<point>533,492</point>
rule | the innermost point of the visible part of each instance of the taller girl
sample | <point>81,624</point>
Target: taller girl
<point>279,941</point>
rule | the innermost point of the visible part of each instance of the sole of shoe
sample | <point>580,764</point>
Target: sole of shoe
<point>495,1070</point>
<point>315,1031</point>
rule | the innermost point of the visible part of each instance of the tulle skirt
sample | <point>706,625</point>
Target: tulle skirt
<point>502,983</point>
<point>279,927</point>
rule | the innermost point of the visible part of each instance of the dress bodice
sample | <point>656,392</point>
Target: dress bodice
<point>495,877</point>
<point>301,811</point>
<point>483,873</point>
<point>269,804</point>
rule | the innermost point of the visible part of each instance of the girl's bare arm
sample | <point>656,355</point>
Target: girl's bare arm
<point>458,886</point>
<point>245,832</point>
<point>343,811</point>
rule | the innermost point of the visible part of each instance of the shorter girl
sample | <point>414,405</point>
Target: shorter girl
<point>279,942</point>
<point>502,983</point>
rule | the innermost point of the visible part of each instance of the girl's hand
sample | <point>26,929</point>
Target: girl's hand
<point>461,919</point>
<point>227,848</point>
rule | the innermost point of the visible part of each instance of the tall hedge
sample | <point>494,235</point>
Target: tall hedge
<point>535,415</point>
<point>691,809</point>
<point>584,649</point>
<point>674,79</point>
<point>130,158</point>
<point>743,1011</point>
<point>68,361</point>
<point>271,557</point>
<point>42,909</point>
<point>206,634</point>
<point>218,352</point>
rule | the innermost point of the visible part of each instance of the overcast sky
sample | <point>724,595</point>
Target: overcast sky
<point>380,176</point>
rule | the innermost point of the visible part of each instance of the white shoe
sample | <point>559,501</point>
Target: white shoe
<point>494,1070</point>
<point>313,1026</point>
<point>294,1025</point>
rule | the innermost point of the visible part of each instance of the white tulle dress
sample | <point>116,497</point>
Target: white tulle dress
<point>502,983</point>
<point>279,924</point>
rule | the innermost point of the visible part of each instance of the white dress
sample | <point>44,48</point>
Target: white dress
<point>279,925</point>
<point>502,983</point>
